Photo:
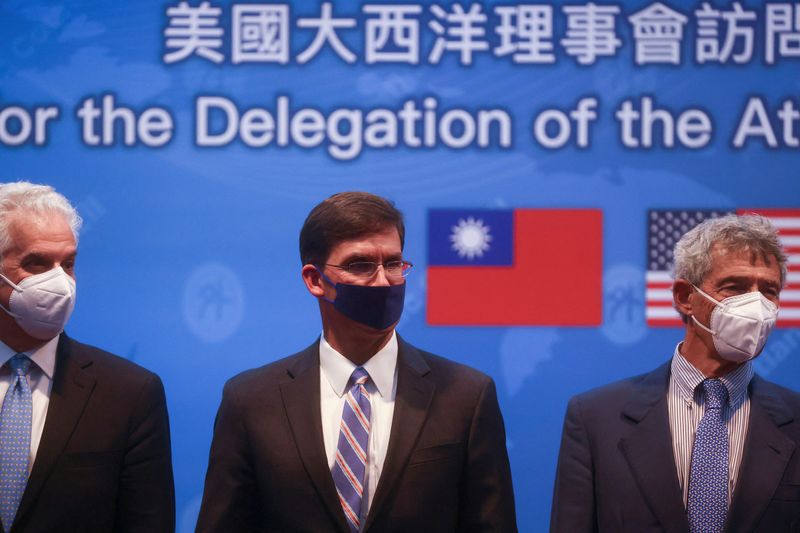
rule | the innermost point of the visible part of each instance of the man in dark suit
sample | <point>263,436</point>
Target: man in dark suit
<point>360,431</point>
<point>699,444</point>
<point>84,435</point>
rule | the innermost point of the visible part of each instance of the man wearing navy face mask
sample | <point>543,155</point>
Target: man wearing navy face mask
<point>360,431</point>
<point>84,435</point>
<point>701,444</point>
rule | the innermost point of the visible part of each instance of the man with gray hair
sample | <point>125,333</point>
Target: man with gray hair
<point>700,444</point>
<point>84,435</point>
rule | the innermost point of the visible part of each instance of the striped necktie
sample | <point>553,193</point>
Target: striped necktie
<point>351,452</point>
<point>15,439</point>
<point>708,478</point>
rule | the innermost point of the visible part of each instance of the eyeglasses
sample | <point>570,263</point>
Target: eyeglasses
<point>367,269</point>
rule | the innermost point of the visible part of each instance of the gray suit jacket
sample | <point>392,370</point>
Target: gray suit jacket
<point>616,469</point>
<point>446,468</point>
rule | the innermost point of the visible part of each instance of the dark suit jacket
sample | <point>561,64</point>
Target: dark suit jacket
<point>616,469</point>
<point>104,463</point>
<point>446,467</point>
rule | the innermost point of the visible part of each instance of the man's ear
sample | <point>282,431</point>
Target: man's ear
<point>681,291</point>
<point>313,280</point>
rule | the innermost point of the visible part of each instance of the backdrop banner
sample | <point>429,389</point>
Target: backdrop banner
<point>546,155</point>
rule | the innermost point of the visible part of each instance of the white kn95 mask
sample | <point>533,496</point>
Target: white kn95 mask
<point>740,324</point>
<point>42,304</point>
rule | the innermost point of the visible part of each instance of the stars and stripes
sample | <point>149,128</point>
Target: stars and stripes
<point>787,222</point>
<point>351,452</point>
<point>665,227</point>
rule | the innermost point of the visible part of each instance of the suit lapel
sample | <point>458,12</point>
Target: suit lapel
<point>648,450</point>
<point>301,400</point>
<point>73,383</point>
<point>414,395</point>
<point>766,453</point>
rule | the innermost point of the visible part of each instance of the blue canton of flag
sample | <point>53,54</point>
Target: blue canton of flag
<point>471,237</point>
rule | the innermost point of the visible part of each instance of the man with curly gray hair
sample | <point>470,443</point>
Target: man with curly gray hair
<point>701,444</point>
<point>84,435</point>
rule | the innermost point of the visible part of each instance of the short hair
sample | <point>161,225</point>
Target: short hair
<point>750,232</point>
<point>344,216</point>
<point>32,200</point>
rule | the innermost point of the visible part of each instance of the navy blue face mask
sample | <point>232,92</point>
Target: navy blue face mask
<point>375,306</point>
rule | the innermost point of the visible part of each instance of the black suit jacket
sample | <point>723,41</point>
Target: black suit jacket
<point>104,462</point>
<point>446,467</point>
<point>616,469</point>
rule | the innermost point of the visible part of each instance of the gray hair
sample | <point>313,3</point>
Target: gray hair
<point>734,232</point>
<point>35,200</point>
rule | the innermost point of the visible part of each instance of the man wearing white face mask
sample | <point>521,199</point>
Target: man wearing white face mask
<point>84,435</point>
<point>700,444</point>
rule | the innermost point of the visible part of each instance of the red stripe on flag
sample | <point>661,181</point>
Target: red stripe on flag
<point>659,284</point>
<point>665,322</point>
<point>657,303</point>
<point>556,279</point>
<point>788,213</point>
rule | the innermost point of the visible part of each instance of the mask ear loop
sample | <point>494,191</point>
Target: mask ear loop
<point>328,280</point>
<point>710,299</point>
<point>11,284</point>
<point>702,326</point>
<point>14,286</point>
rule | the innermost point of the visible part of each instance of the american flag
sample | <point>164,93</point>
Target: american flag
<point>787,222</point>
<point>665,227</point>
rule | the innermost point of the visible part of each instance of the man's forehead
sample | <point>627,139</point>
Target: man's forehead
<point>26,228</point>
<point>721,252</point>
<point>369,242</point>
<point>724,256</point>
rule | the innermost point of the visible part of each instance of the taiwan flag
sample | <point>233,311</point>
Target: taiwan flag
<point>520,267</point>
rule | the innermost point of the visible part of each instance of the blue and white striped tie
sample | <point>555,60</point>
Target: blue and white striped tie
<point>15,439</point>
<point>351,452</point>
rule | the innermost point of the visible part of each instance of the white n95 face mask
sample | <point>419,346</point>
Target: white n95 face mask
<point>42,304</point>
<point>740,325</point>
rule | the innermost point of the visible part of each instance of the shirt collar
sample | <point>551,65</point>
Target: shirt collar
<point>44,356</point>
<point>687,378</point>
<point>381,367</point>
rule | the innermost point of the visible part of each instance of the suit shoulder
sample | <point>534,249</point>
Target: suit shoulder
<point>106,364</point>
<point>445,369</point>
<point>270,373</point>
<point>790,396</point>
<point>614,394</point>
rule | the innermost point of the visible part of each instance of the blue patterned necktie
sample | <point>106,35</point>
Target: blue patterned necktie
<point>351,452</point>
<point>708,478</point>
<point>15,439</point>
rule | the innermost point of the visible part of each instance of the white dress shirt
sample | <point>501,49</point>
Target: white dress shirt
<point>686,408</point>
<point>40,378</point>
<point>335,372</point>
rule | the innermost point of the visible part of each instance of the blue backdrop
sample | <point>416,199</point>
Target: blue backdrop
<point>188,260</point>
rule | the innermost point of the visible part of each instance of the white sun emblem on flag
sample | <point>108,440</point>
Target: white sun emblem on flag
<point>470,238</point>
